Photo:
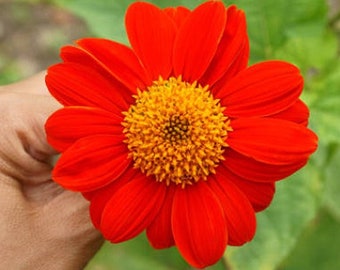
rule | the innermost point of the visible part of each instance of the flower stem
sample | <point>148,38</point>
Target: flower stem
<point>226,264</point>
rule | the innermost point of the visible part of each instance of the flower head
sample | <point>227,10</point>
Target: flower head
<point>176,135</point>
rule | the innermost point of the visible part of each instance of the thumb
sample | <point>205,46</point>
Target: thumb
<point>24,152</point>
<point>32,85</point>
<point>42,106</point>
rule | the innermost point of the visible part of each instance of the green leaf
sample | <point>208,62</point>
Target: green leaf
<point>278,227</point>
<point>325,107</point>
<point>174,3</point>
<point>332,185</point>
<point>318,248</point>
<point>271,23</point>
<point>137,254</point>
<point>305,52</point>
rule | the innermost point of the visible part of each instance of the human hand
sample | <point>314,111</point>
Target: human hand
<point>42,226</point>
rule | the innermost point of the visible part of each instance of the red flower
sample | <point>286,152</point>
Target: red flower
<point>176,135</point>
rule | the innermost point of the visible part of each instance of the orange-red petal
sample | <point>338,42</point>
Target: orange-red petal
<point>240,63</point>
<point>177,14</point>
<point>78,56</point>
<point>262,89</point>
<point>67,125</point>
<point>260,194</point>
<point>272,141</point>
<point>298,113</point>
<point>198,225</point>
<point>91,163</point>
<point>254,170</point>
<point>77,85</point>
<point>132,208</point>
<point>159,232</point>
<point>151,33</point>
<point>119,60</point>
<point>239,213</point>
<point>230,47</point>
<point>100,197</point>
<point>197,40</point>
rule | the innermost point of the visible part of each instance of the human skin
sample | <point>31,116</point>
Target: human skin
<point>42,226</point>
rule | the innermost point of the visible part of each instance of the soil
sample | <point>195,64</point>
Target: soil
<point>31,34</point>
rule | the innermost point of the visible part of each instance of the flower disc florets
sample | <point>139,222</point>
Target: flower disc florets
<point>176,131</point>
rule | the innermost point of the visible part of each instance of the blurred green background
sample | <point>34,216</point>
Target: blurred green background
<point>301,229</point>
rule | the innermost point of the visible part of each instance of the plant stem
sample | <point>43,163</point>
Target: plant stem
<point>226,264</point>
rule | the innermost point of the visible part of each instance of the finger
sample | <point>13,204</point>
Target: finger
<point>35,139</point>
<point>41,155</point>
<point>24,152</point>
<point>32,85</point>
<point>41,193</point>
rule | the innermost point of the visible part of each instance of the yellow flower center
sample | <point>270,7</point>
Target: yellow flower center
<point>176,131</point>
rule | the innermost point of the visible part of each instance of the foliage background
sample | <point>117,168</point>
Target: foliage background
<point>301,229</point>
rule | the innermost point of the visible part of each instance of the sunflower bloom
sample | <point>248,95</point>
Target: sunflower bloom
<point>176,135</point>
